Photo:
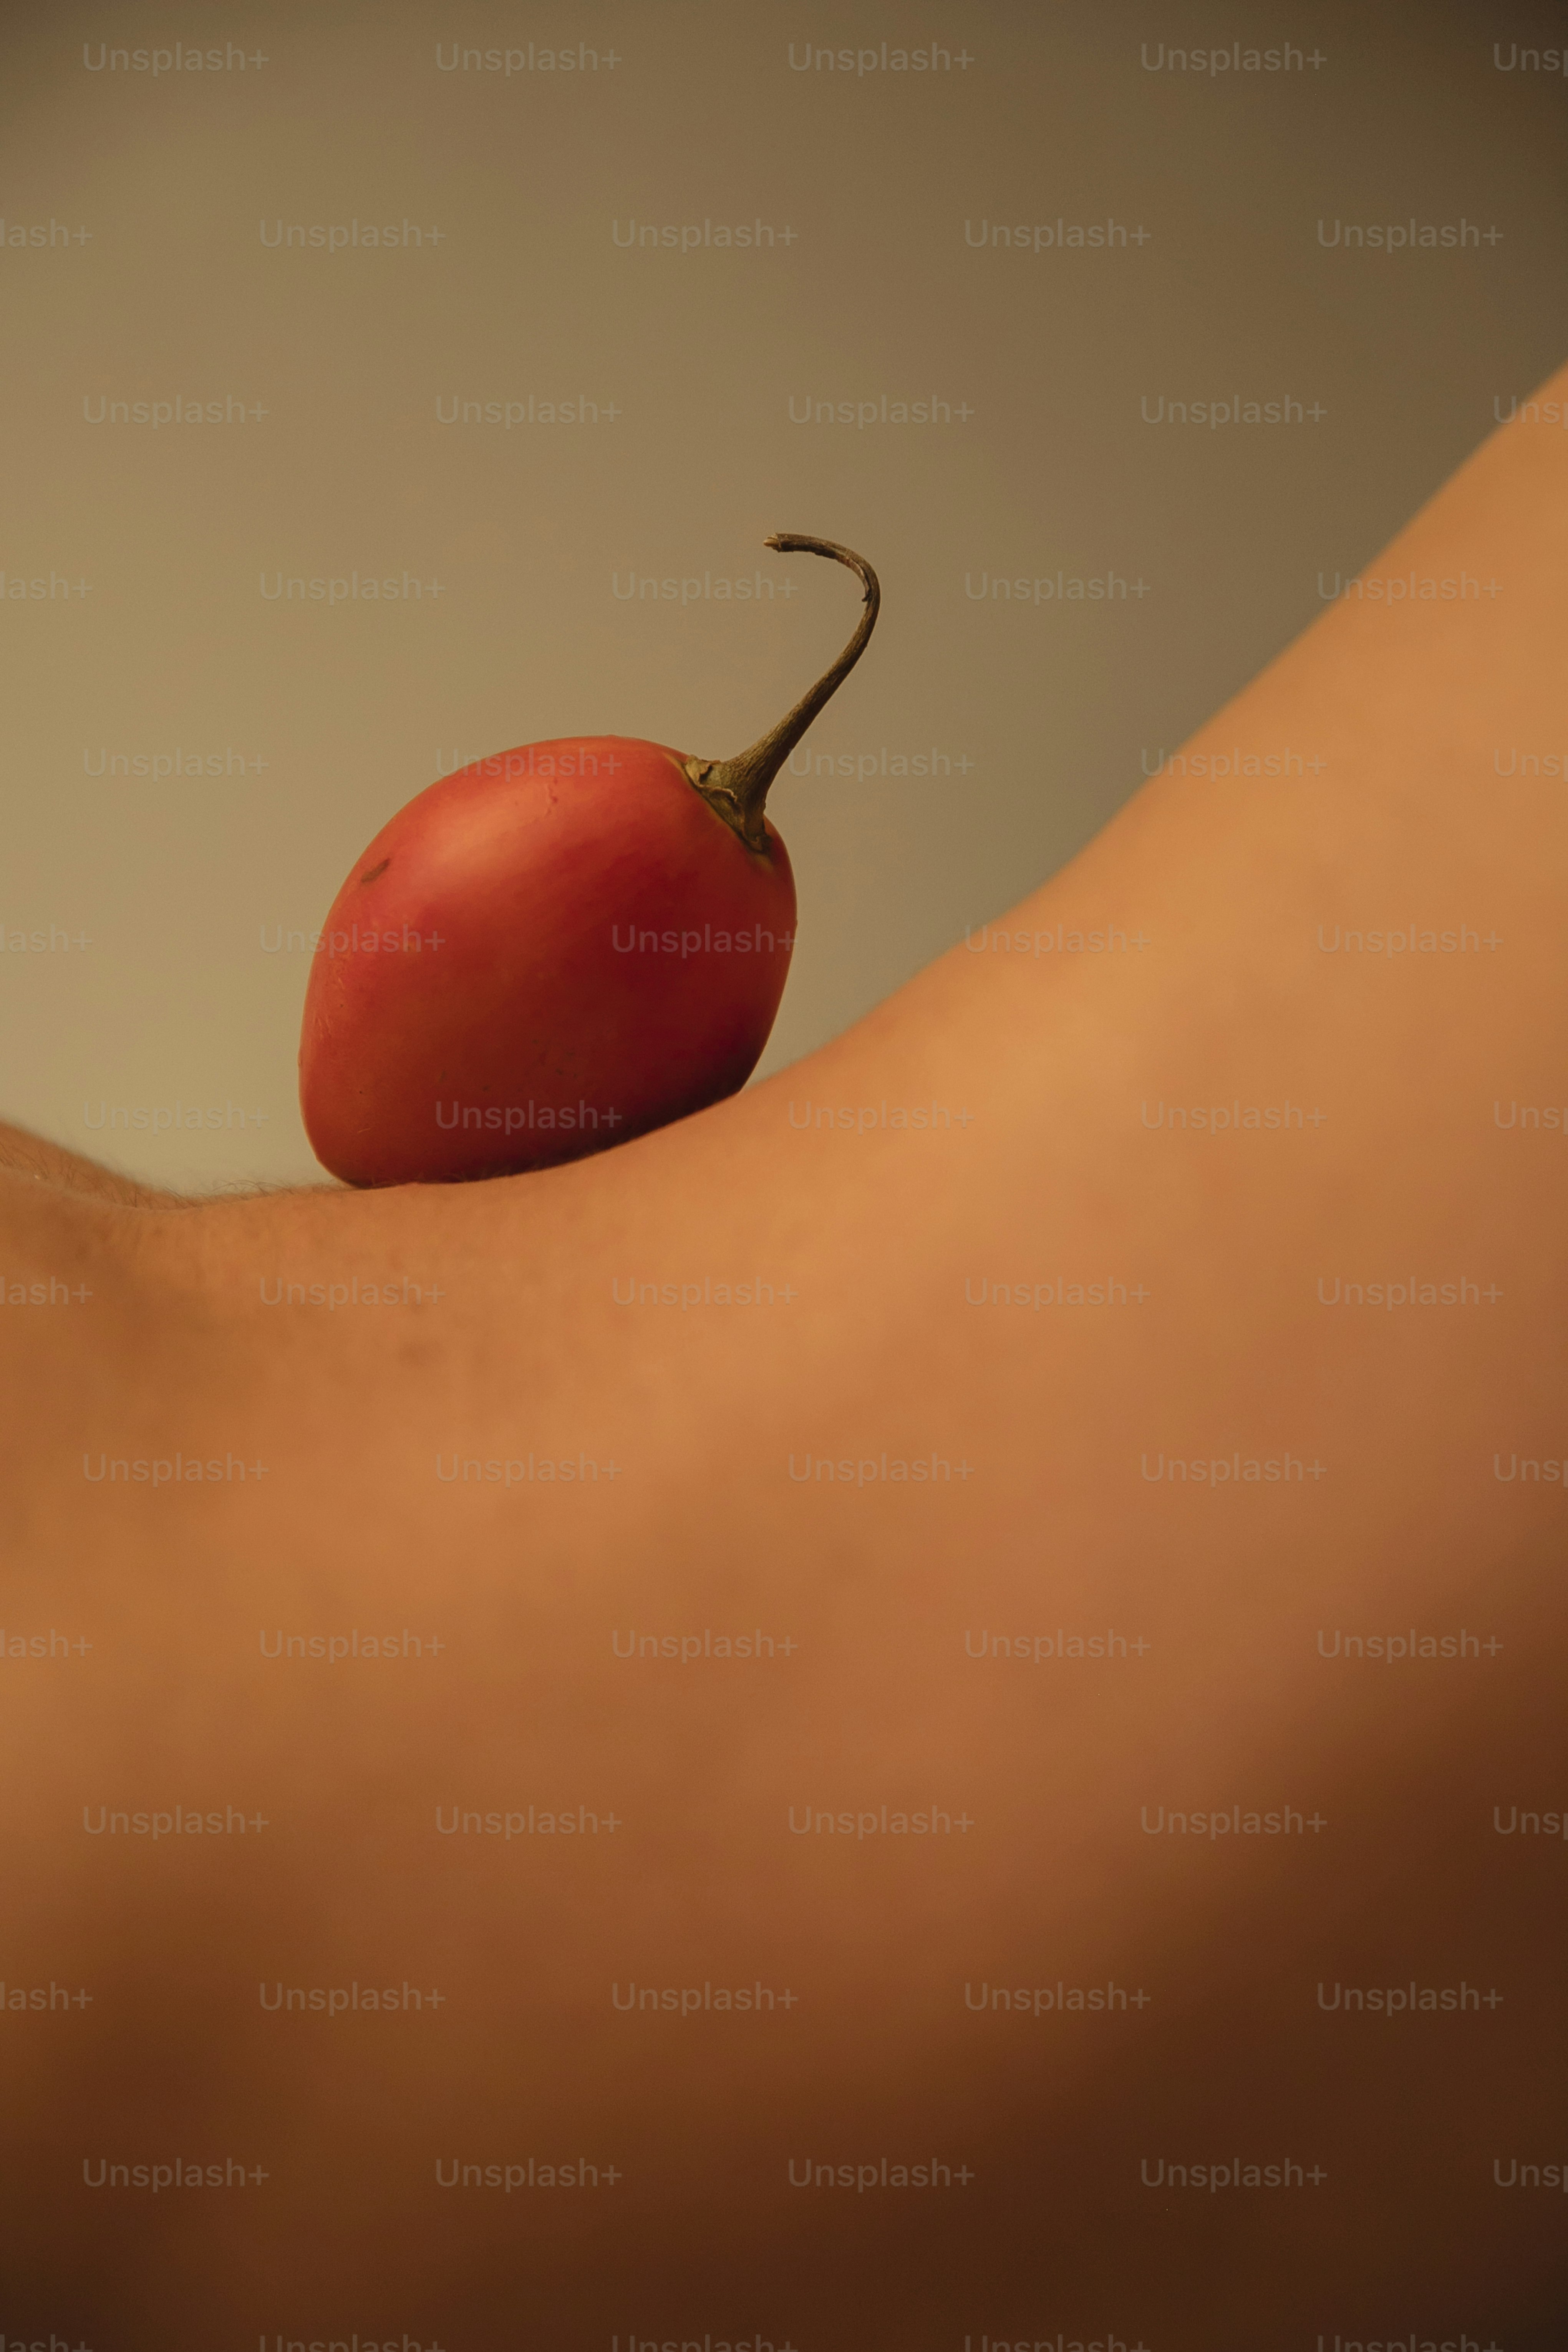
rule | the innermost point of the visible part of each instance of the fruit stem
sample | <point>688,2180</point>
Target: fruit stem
<point>737,788</point>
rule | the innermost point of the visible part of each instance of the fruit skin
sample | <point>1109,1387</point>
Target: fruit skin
<point>529,1001</point>
<point>563,947</point>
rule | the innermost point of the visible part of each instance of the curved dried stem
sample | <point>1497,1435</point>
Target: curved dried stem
<point>738,788</point>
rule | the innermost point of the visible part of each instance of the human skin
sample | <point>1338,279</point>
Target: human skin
<point>1055,1174</point>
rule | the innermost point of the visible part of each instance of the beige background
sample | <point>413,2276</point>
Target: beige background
<point>353,710</point>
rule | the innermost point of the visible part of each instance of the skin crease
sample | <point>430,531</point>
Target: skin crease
<point>1055,1174</point>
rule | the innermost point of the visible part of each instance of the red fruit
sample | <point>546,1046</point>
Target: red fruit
<point>553,950</point>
